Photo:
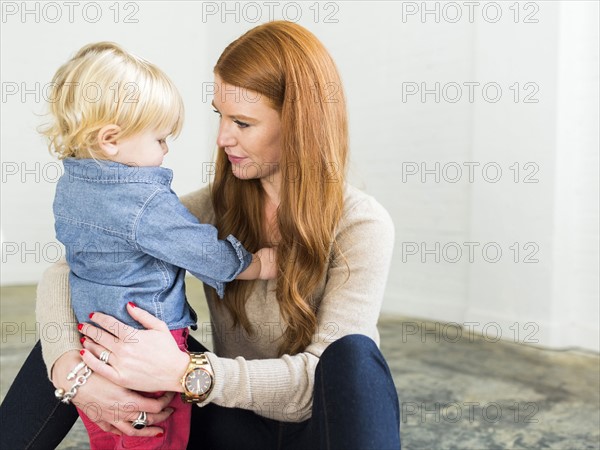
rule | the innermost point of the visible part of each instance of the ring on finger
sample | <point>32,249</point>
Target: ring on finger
<point>104,356</point>
<point>141,421</point>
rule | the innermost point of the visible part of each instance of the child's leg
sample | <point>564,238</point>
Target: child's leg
<point>99,439</point>
<point>176,428</point>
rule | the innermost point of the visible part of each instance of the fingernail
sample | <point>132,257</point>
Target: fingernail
<point>91,315</point>
<point>81,352</point>
<point>159,435</point>
<point>82,340</point>
<point>133,305</point>
<point>80,326</point>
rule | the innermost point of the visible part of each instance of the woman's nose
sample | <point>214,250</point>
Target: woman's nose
<point>225,137</point>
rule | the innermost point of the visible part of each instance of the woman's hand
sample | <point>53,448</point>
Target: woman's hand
<point>111,407</point>
<point>143,360</point>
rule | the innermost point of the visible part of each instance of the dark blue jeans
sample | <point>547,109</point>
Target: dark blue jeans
<point>355,406</point>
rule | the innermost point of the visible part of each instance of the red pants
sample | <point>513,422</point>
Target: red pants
<point>176,427</point>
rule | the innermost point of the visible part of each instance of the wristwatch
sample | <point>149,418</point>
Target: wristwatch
<point>197,381</point>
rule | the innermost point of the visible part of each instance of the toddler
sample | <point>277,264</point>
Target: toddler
<point>127,236</point>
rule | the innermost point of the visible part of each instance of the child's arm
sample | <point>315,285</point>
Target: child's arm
<point>166,230</point>
<point>262,267</point>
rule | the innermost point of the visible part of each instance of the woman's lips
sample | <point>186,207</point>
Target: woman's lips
<point>235,159</point>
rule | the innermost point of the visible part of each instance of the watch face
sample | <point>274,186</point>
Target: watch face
<point>198,382</point>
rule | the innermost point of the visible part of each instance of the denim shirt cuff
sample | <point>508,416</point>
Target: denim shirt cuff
<point>220,288</point>
<point>245,260</point>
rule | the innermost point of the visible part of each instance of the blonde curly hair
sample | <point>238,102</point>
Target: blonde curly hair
<point>104,84</point>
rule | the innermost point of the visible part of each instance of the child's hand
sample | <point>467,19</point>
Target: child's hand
<point>262,267</point>
<point>268,263</point>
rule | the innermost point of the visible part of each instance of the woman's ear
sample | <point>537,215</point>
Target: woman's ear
<point>107,139</point>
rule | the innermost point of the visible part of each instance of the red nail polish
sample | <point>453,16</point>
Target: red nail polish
<point>82,340</point>
<point>133,305</point>
<point>81,352</point>
<point>80,326</point>
<point>91,315</point>
<point>159,435</point>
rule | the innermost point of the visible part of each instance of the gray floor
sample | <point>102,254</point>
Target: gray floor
<point>468,394</point>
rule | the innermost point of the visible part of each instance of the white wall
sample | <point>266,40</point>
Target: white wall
<point>575,281</point>
<point>384,49</point>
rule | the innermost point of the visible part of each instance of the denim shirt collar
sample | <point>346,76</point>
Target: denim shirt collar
<point>104,171</point>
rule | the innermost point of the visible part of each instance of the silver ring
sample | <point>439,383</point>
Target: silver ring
<point>104,356</point>
<point>141,422</point>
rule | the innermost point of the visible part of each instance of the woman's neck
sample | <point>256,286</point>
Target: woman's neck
<point>272,187</point>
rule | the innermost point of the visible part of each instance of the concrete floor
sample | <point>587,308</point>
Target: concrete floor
<point>471,394</point>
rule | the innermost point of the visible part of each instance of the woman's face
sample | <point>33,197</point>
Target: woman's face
<point>249,132</point>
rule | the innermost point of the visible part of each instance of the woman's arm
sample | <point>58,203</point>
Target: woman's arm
<point>113,407</point>
<point>53,312</point>
<point>279,388</point>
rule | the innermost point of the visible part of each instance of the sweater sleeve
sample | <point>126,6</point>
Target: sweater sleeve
<point>282,389</point>
<point>54,314</point>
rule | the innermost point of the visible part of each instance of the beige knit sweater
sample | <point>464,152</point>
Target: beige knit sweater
<point>248,373</point>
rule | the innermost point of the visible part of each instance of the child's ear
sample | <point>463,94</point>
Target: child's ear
<point>107,139</point>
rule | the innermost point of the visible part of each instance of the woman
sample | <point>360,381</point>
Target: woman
<point>295,363</point>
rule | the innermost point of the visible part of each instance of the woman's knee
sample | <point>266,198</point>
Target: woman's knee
<point>351,351</point>
<point>351,344</point>
<point>346,367</point>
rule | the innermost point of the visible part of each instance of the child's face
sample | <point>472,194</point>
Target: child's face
<point>145,149</point>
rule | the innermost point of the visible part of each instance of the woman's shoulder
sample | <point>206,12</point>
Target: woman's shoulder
<point>364,218</point>
<point>358,205</point>
<point>199,203</point>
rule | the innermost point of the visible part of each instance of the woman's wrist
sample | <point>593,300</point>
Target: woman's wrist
<point>181,366</point>
<point>62,366</point>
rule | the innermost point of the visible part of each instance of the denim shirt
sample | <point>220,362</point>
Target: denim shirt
<point>128,238</point>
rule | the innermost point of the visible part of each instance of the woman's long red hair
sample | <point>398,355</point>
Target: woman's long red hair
<point>289,66</point>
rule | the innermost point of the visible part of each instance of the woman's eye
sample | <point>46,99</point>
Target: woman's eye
<point>237,122</point>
